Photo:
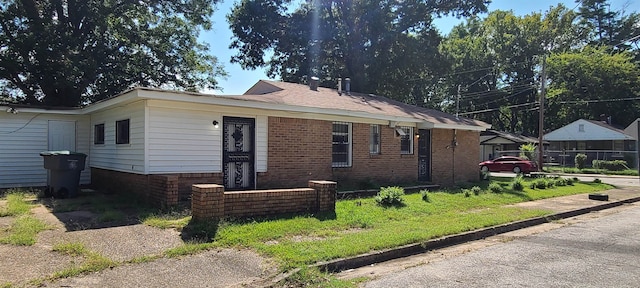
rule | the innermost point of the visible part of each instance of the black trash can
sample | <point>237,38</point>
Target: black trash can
<point>64,177</point>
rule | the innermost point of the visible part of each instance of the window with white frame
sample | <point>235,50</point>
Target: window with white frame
<point>374,139</point>
<point>341,144</point>
<point>406,139</point>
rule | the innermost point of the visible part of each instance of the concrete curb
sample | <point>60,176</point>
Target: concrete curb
<point>413,249</point>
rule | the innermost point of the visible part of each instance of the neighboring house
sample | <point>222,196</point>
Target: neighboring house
<point>632,129</point>
<point>278,134</point>
<point>597,139</point>
<point>495,143</point>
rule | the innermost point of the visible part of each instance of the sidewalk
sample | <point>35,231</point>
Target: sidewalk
<point>562,207</point>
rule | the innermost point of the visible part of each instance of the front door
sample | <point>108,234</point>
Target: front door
<point>424,155</point>
<point>238,153</point>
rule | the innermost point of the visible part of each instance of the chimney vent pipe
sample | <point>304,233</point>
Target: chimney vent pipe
<point>313,84</point>
<point>347,85</point>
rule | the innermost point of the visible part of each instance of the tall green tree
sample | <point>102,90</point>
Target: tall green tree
<point>385,47</point>
<point>603,26</point>
<point>70,52</point>
<point>498,59</point>
<point>592,82</point>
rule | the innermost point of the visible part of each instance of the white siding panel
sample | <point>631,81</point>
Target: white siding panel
<point>120,157</point>
<point>22,137</point>
<point>589,131</point>
<point>262,124</point>
<point>184,141</point>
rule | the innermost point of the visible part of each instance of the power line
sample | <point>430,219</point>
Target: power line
<point>479,94</point>
<point>559,102</point>
<point>496,109</point>
<point>597,100</point>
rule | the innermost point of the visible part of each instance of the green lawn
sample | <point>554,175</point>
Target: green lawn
<point>360,225</point>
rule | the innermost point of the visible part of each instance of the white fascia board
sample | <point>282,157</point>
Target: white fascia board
<point>126,97</point>
<point>3,108</point>
<point>429,125</point>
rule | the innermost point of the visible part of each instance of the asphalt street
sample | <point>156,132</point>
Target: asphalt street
<point>597,251</point>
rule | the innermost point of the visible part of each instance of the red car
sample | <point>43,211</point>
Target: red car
<point>508,163</point>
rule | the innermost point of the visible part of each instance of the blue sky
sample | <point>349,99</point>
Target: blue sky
<point>240,80</point>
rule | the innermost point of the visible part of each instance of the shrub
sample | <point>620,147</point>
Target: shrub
<point>597,180</point>
<point>527,151</point>
<point>560,182</point>
<point>467,192</point>
<point>540,183</point>
<point>580,160</point>
<point>476,190</point>
<point>495,187</point>
<point>615,165</point>
<point>532,185</point>
<point>550,183</point>
<point>570,181</point>
<point>424,194</point>
<point>517,184</point>
<point>389,196</point>
<point>575,179</point>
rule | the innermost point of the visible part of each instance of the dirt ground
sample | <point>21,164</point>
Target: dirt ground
<point>121,240</point>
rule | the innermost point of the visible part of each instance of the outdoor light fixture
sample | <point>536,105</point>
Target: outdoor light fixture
<point>215,124</point>
<point>417,135</point>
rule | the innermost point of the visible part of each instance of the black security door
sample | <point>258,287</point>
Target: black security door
<point>424,155</point>
<point>238,153</point>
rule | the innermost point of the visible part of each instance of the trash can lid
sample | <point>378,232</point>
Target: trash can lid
<point>62,152</point>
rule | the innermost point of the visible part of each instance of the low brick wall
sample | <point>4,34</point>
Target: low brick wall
<point>163,190</point>
<point>210,201</point>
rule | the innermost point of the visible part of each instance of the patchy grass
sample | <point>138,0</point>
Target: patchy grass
<point>23,231</point>
<point>312,277</point>
<point>93,261</point>
<point>187,249</point>
<point>172,219</point>
<point>16,203</point>
<point>360,225</point>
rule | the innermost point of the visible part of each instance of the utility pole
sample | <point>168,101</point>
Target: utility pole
<point>458,102</point>
<point>541,120</point>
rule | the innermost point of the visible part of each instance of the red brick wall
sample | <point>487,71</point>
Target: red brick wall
<point>210,201</point>
<point>299,150</point>
<point>158,190</point>
<point>390,166</point>
<point>450,166</point>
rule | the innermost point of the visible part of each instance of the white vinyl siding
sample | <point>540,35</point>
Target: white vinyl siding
<point>261,143</point>
<point>120,157</point>
<point>183,141</point>
<point>23,136</point>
